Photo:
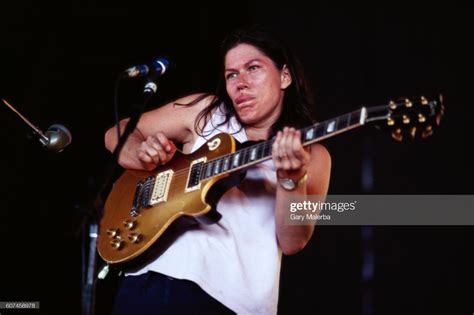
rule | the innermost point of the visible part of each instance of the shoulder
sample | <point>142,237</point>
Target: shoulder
<point>194,102</point>
<point>176,118</point>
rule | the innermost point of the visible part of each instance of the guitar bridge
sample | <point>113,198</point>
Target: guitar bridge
<point>151,191</point>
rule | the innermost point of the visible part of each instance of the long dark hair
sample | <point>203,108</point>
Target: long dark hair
<point>297,101</point>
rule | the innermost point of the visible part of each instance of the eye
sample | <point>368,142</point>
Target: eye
<point>231,76</point>
<point>253,68</point>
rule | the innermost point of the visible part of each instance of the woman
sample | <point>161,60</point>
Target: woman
<point>233,265</point>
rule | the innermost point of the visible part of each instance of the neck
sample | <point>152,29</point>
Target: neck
<point>255,133</point>
<point>262,129</point>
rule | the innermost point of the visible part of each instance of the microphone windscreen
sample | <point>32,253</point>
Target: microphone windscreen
<point>59,138</point>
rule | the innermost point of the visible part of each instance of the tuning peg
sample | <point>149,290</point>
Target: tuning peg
<point>424,101</point>
<point>392,105</point>
<point>421,118</point>
<point>406,119</point>
<point>413,132</point>
<point>427,132</point>
<point>408,103</point>
<point>397,134</point>
<point>390,122</point>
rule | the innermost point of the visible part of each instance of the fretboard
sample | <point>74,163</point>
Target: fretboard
<point>262,151</point>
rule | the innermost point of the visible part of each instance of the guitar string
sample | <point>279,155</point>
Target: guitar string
<point>265,145</point>
<point>245,151</point>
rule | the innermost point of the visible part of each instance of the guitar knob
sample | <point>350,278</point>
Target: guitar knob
<point>392,105</point>
<point>406,119</point>
<point>408,103</point>
<point>117,243</point>
<point>130,225</point>
<point>134,237</point>
<point>113,232</point>
<point>390,122</point>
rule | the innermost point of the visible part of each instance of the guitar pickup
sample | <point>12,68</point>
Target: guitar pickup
<point>194,175</point>
<point>161,187</point>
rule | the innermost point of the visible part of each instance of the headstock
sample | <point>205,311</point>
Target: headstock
<point>414,117</point>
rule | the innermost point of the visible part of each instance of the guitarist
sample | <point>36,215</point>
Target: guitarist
<point>232,266</point>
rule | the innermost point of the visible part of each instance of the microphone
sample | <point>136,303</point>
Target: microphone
<point>55,139</point>
<point>157,66</point>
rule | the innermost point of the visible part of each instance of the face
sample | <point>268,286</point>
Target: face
<point>255,85</point>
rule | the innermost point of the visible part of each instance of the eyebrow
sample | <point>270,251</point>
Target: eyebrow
<point>245,65</point>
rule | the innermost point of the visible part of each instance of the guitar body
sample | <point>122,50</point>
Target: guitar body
<point>125,234</point>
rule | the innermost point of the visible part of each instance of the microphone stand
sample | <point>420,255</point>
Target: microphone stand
<point>89,280</point>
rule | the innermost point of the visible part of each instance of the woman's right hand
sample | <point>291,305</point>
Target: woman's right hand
<point>155,150</point>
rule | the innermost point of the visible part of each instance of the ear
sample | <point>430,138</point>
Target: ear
<point>285,78</point>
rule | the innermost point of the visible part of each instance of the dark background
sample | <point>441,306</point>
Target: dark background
<point>59,63</point>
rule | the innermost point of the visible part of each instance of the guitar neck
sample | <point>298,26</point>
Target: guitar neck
<point>262,151</point>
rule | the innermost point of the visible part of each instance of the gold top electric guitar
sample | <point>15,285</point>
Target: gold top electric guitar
<point>143,205</point>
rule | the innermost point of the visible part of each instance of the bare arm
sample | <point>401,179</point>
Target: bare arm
<point>152,141</point>
<point>317,165</point>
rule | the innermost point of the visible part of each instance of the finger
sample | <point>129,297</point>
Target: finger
<point>153,154</point>
<point>286,145</point>
<point>142,156</point>
<point>148,155</point>
<point>275,150</point>
<point>154,148</point>
<point>292,158</point>
<point>300,151</point>
<point>164,142</point>
<point>282,144</point>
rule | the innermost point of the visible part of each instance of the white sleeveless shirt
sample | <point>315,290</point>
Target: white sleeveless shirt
<point>236,260</point>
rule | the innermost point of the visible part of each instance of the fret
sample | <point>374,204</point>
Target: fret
<point>260,150</point>
<point>217,165</point>
<point>330,126</point>
<point>208,169</point>
<point>355,118</point>
<point>309,134</point>
<point>348,121</point>
<point>267,149</point>
<point>203,171</point>
<point>253,153</point>
<point>225,165</point>
<point>245,156</point>
<point>320,130</point>
<point>342,123</point>
<point>235,160</point>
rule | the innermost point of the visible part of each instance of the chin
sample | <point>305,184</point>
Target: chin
<point>247,119</point>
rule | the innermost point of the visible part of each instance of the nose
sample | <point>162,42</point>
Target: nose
<point>242,82</point>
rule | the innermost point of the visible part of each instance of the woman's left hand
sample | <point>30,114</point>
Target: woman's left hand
<point>289,155</point>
